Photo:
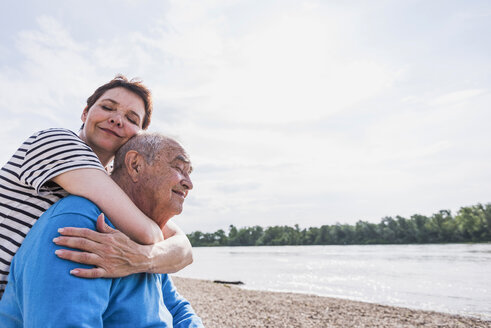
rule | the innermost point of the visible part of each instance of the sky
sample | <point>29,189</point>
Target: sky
<point>293,112</point>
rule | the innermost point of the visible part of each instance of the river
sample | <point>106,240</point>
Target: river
<point>452,278</point>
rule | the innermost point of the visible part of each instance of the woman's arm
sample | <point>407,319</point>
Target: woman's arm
<point>98,187</point>
<point>180,248</point>
<point>115,255</point>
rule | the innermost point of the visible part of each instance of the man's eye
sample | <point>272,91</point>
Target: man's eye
<point>179,169</point>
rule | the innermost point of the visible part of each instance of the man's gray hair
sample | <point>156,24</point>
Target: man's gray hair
<point>149,145</point>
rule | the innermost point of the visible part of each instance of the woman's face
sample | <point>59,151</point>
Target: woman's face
<point>113,119</point>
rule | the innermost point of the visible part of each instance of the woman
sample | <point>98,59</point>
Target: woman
<point>54,162</point>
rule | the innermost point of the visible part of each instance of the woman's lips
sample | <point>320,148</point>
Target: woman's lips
<point>111,132</point>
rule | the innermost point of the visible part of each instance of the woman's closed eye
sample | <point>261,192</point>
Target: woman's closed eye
<point>132,120</point>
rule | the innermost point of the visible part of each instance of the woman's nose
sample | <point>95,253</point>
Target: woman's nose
<point>116,119</point>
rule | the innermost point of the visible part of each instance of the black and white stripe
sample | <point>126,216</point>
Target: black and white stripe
<point>24,191</point>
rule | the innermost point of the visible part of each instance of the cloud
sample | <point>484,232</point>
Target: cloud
<point>456,97</point>
<point>52,72</point>
<point>304,112</point>
<point>260,83</point>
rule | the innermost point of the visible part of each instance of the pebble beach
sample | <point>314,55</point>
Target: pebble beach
<point>229,306</point>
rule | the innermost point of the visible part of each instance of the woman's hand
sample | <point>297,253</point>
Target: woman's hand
<point>115,255</point>
<point>112,253</point>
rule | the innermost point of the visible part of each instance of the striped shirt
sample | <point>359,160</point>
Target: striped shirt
<point>25,187</point>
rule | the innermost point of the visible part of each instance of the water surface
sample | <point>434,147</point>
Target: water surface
<point>452,278</point>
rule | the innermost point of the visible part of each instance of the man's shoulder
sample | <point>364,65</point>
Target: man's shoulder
<point>71,211</point>
<point>72,204</point>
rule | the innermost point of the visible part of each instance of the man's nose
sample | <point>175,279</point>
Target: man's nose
<point>187,183</point>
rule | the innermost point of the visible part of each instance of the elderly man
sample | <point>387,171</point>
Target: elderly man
<point>154,171</point>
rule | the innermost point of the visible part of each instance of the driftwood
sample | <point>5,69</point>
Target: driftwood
<point>228,282</point>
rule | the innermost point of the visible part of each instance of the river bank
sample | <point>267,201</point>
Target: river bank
<point>225,306</point>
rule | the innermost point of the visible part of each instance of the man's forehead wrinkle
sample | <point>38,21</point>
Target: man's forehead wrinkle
<point>173,150</point>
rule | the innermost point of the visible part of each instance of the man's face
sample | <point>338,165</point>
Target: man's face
<point>168,183</point>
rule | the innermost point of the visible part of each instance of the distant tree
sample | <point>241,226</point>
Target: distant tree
<point>310,236</point>
<point>323,236</point>
<point>248,236</point>
<point>221,237</point>
<point>256,234</point>
<point>232,236</point>
<point>420,223</point>
<point>471,224</point>
<point>195,238</point>
<point>388,230</point>
<point>487,220</point>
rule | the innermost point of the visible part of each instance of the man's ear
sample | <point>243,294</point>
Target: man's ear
<point>85,113</point>
<point>134,164</point>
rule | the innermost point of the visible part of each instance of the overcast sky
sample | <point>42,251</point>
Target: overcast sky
<point>308,112</point>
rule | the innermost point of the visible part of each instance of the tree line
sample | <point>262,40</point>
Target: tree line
<point>470,224</point>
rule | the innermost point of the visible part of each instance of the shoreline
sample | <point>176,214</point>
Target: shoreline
<point>227,306</point>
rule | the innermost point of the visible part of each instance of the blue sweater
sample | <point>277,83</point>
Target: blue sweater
<point>42,293</point>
